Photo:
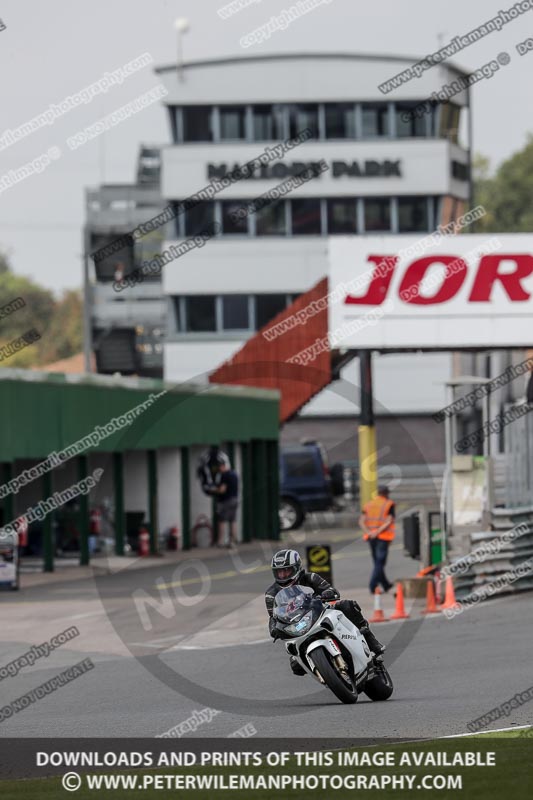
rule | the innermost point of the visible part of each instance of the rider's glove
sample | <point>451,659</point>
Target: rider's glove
<point>329,594</point>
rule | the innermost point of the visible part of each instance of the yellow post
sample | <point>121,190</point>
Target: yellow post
<point>368,461</point>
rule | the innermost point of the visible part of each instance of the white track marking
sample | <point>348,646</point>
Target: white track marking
<point>484,733</point>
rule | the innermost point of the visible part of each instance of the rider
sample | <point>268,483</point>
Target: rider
<point>288,571</point>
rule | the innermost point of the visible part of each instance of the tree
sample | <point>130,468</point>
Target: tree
<point>4,263</point>
<point>64,335</point>
<point>59,322</point>
<point>508,195</point>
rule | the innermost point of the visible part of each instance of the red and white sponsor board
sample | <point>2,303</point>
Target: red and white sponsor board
<point>464,291</point>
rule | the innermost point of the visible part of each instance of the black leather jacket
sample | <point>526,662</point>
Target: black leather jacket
<point>311,579</point>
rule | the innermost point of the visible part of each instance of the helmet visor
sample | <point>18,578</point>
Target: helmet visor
<point>284,575</point>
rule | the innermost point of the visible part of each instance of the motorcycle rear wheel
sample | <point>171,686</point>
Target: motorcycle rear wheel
<point>338,686</point>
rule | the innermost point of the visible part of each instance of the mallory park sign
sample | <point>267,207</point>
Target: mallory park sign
<point>353,169</point>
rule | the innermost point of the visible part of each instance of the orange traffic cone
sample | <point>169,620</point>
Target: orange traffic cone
<point>378,615</point>
<point>400,612</point>
<point>449,595</point>
<point>431,606</point>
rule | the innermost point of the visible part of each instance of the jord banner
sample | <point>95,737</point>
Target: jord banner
<point>428,292</point>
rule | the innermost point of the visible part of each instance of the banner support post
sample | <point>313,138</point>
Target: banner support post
<point>368,467</point>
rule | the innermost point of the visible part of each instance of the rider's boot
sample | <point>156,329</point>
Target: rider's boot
<point>296,666</point>
<point>352,610</point>
<point>374,644</point>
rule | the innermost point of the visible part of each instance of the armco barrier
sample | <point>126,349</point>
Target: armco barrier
<point>510,556</point>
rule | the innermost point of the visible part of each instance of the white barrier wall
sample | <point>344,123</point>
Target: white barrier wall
<point>105,490</point>
<point>169,488</point>
<point>136,481</point>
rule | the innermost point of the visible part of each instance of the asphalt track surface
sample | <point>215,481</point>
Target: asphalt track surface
<point>206,646</point>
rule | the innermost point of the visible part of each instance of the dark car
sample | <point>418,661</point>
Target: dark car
<point>9,561</point>
<point>305,483</point>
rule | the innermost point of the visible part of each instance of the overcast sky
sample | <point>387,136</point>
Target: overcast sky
<point>53,49</point>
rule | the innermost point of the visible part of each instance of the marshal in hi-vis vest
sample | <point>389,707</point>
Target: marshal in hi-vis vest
<point>376,511</point>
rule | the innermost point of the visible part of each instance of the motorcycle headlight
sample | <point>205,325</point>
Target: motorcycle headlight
<point>303,624</point>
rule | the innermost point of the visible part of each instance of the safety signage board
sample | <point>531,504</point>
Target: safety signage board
<point>319,561</point>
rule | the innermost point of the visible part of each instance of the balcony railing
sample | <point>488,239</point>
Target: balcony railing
<point>141,305</point>
<point>111,207</point>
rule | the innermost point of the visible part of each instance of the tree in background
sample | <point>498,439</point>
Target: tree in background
<point>508,195</point>
<point>59,322</point>
<point>65,334</point>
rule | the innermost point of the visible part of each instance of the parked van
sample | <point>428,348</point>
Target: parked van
<point>305,483</point>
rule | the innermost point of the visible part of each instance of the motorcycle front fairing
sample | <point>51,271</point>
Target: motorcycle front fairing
<point>306,624</point>
<point>296,610</point>
<point>349,638</point>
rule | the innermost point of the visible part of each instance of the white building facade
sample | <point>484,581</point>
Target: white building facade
<point>389,171</point>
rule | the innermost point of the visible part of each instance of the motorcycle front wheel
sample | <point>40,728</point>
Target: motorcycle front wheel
<point>345,692</point>
<point>380,687</point>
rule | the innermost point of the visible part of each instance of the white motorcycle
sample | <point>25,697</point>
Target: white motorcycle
<point>329,646</point>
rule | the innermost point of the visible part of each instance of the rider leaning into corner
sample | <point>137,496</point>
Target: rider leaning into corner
<point>288,571</point>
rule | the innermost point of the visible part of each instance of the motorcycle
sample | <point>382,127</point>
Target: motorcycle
<point>328,646</point>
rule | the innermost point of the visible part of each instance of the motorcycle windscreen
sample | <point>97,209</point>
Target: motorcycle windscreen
<point>292,603</point>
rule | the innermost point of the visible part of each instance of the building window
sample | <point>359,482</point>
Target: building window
<point>375,119</point>
<point>197,124</point>
<point>301,118</point>
<point>235,316</point>
<point>268,123</point>
<point>413,214</point>
<point>409,125</point>
<point>119,264</point>
<point>377,214</point>
<point>173,111</point>
<point>198,218</point>
<point>305,215</point>
<point>178,309</point>
<point>267,306</point>
<point>460,171</point>
<point>232,122</point>
<point>450,116</point>
<point>342,215</point>
<point>270,221</point>
<point>340,121</point>
<point>200,313</point>
<point>230,224</point>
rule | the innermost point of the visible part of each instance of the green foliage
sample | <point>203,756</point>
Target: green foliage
<point>59,322</point>
<point>508,195</point>
<point>64,335</point>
